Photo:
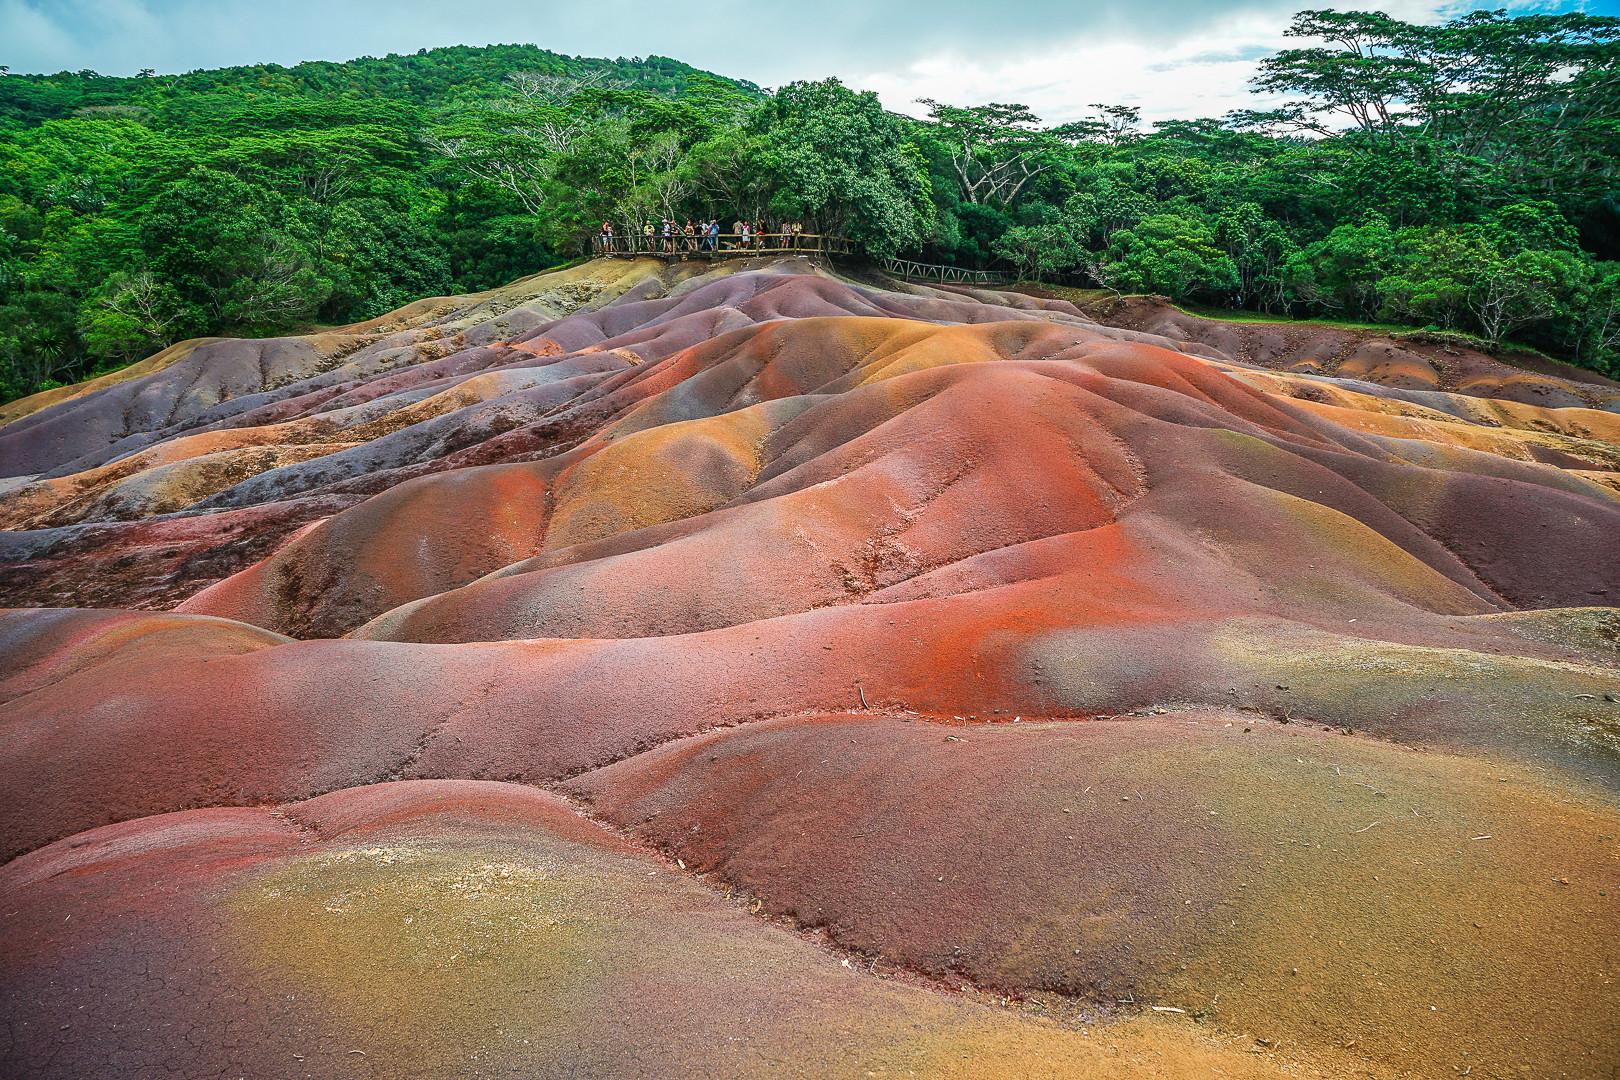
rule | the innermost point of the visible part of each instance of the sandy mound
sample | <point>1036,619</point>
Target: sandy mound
<point>955,680</point>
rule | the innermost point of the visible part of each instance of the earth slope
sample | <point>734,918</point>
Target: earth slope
<point>649,670</point>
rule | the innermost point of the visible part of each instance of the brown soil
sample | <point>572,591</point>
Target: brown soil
<point>1448,362</point>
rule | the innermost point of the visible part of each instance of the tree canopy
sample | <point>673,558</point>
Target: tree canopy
<point>1459,175</point>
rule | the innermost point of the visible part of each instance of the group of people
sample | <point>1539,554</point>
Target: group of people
<point>671,237</point>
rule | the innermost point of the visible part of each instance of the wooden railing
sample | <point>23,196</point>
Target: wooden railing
<point>725,245</point>
<point>734,245</point>
<point>908,270</point>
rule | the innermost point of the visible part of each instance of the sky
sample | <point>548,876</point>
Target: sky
<point>1171,58</point>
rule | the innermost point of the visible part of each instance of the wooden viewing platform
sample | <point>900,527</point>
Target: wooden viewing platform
<point>723,246</point>
<point>735,246</point>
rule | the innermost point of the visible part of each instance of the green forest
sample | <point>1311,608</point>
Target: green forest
<point>1460,177</point>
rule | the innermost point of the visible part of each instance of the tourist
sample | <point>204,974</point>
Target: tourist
<point>786,239</point>
<point>607,237</point>
<point>691,236</point>
<point>714,234</point>
<point>647,235</point>
<point>796,231</point>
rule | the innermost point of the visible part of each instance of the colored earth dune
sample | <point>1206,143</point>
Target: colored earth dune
<point>753,670</point>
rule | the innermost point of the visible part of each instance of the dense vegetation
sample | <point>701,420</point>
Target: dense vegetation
<point>1457,176</point>
<point>137,212</point>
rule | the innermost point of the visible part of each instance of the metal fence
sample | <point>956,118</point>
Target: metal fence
<point>724,245</point>
<point>908,270</point>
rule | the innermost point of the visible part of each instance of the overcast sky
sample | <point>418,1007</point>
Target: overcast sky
<point>1172,58</point>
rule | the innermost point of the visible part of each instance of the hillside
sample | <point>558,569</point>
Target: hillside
<point>428,76</point>
<point>137,212</point>
<point>664,669</point>
<point>254,201</point>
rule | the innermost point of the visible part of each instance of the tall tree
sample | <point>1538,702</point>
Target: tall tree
<point>838,157</point>
<point>995,149</point>
<point>1535,95</point>
<point>513,142</point>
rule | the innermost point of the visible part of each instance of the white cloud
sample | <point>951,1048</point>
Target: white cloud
<point>1205,74</point>
<point>30,32</point>
<point>1173,58</point>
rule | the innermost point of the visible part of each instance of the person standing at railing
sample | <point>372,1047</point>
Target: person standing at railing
<point>798,230</point>
<point>607,237</point>
<point>738,228</point>
<point>647,235</point>
<point>787,234</point>
<point>691,236</point>
<point>714,234</point>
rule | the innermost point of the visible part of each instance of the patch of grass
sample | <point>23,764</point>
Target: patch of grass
<point>1411,334</point>
<point>1419,334</point>
<point>1237,315</point>
<point>1245,316</point>
<point>1062,292</point>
